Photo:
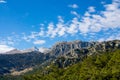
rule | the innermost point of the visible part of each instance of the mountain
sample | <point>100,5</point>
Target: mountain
<point>10,63</point>
<point>14,51</point>
<point>69,53</point>
<point>30,50</point>
<point>62,48</point>
<point>44,50</point>
<point>62,54</point>
<point>103,66</point>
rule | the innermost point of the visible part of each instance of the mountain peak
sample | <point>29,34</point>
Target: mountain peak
<point>14,51</point>
<point>35,48</point>
<point>31,49</point>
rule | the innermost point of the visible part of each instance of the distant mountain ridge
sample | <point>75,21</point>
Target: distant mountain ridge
<point>69,52</point>
<point>61,48</point>
<point>16,51</point>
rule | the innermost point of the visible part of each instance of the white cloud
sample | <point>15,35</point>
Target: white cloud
<point>87,14</point>
<point>7,41</point>
<point>91,22</point>
<point>39,42</point>
<point>73,27</point>
<point>108,19</point>
<point>3,1</point>
<point>26,38</point>
<point>42,32</point>
<point>91,9</point>
<point>111,37</point>
<point>75,13</point>
<point>74,6</point>
<point>60,19</point>
<point>61,29</point>
<point>84,25</point>
<point>33,35</point>
<point>114,37</point>
<point>5,48</point>
<point>52,32</point>
<point>58,29</point>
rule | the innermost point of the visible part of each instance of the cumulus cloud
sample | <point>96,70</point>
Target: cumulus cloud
<point>87,14</point>
<point>73,27</point>
<point>7,41</point>
<point>111,37</point>
<point>114,37</point>
<point>42,32</point>
<point>75,13</point>
<point>3,1</point>
<point>90,22</point>
<point>26,38</point>
<point>33,35</point>
<point>5,48</point>
<point>91,9</point>
<point>108,19</point>
<point>60,29</point>
<point>96,22</point>
<point>52,32</point>
<point>39,42</point>
<point>74,6</point>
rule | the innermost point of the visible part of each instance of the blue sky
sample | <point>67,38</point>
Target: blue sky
<point>41,23</point>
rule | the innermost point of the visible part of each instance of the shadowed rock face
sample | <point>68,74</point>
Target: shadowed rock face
<point>18,62</point>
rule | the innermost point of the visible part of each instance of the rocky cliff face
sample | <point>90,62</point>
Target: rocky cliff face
<point>63,54</point>
<point>62,48</point>
<point>78,51</point>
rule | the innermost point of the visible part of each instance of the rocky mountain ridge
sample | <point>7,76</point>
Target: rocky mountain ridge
<point>17,51</point>
<point>63,48</point>
<point>76,54</point>
<point>62,54</point>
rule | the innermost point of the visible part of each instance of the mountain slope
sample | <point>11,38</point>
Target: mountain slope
<point>17,62</point>
<point>63,54</point>
<point>105,66</point>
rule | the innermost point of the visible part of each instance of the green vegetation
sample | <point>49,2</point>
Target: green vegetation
<point>96,67</point>
<point>104,66</point>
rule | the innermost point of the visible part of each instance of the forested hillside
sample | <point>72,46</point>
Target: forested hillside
<point>104,66</point>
